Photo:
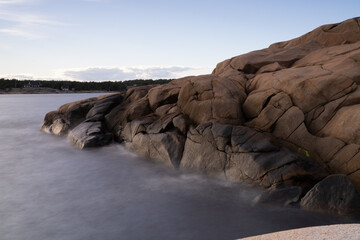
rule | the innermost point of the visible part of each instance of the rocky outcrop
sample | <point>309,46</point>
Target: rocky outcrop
<point>285,115</point>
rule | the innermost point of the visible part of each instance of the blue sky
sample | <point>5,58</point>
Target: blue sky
<point>95,40</point>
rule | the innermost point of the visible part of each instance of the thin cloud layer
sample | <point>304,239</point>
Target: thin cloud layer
<point>21,24</point>
<point>126,73</point>
<point>20,33</point>
<point>98,74</point>
<point>3,2</point>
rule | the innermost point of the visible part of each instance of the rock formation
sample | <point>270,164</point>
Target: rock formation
<point>287,115</point>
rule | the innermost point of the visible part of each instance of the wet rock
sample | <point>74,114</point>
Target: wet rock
<point>89,134</point>
<point>283,196</point>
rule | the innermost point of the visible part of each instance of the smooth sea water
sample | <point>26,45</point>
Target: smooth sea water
<point>51,190</point>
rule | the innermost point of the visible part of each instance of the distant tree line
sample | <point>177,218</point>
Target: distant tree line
<point>82,86</point>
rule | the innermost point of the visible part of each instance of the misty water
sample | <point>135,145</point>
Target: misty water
<point>51,190</point>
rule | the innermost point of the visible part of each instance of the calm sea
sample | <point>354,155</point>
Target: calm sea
<point>51,190</point>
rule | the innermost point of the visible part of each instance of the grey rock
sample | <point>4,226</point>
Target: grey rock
<point>103,106</point>
<point>134,127</point>
<point>59,127</point>
<point>279,196</point>
<point>89,134</point>
<point>161,124</point>
<point>334,194</point>
<point>182,123</point>
<point>166,147</point>
<point>201,155</point>
<point>242,154</point>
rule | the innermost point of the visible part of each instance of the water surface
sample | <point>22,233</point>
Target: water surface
<point>51,190</point>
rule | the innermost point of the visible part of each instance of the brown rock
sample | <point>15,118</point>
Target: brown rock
<point>135,93</point>
<point>253,61</point>
<point>164,109</point>
<point>255,102</point>
<point>182,123</point>
<point>344,125</point>
<point>328,35</point>
<point>278,104</point>
<point>355,179</point>
<point>342,159</point>
<point>203,99</point>
<point>272,67</point>
<point>320,149</point>
<point>124,113</point>
<point>288,123</point>
<point>164,94</point>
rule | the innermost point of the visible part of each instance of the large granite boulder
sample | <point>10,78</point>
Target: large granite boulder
<point>285,115</point>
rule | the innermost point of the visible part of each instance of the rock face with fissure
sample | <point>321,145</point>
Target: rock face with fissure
<point>287,115</point>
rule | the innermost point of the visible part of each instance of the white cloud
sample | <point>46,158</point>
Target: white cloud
<point>20,33</point>
<point>18,76</point>
<point>24,18</point>
<point>98,74</point>
<point>14,1</point>
<point>126,73</point>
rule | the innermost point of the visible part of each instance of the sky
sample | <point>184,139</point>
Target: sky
<point>100,40</point>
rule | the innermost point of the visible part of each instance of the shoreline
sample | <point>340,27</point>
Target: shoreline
<point>47,91</point>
